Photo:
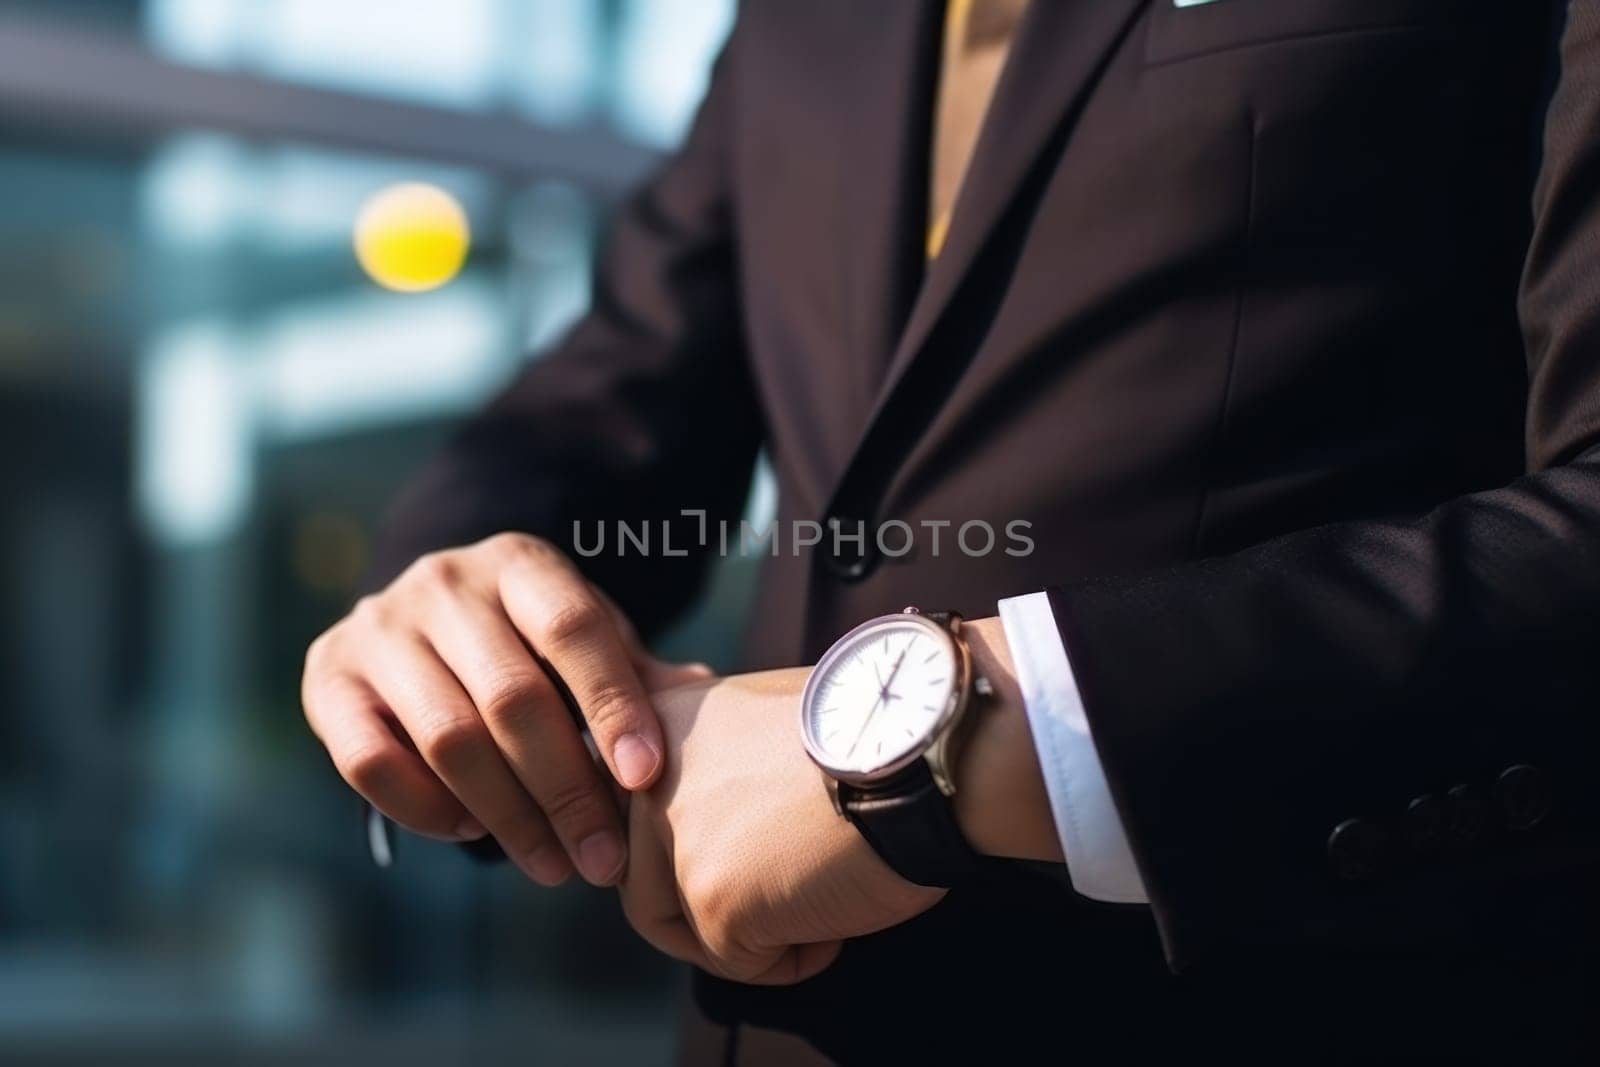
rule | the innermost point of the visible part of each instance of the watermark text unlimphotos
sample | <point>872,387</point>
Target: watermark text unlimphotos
<point>893,538</point>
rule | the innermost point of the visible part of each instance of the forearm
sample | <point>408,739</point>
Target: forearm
<point>1001,804</point>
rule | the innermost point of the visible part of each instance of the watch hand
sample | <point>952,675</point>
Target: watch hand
<point>865,722</point>
<point>884,696</point>
<point>894,671</point>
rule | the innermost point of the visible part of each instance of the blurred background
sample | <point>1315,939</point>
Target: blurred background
<point>206,399</point>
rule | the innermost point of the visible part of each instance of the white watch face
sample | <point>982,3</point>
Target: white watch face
<point>879,696</point>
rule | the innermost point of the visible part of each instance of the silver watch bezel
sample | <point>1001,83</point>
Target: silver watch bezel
<point>933,745</point>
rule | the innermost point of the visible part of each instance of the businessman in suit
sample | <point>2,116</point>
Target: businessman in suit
<point>1279,325</point>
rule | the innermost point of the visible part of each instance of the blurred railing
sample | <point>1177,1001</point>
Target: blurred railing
<point>81,78</point>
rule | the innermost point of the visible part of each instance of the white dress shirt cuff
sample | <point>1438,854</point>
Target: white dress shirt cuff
<point>1099,860</point>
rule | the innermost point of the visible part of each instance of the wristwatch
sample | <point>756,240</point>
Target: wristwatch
<point>883,714</point>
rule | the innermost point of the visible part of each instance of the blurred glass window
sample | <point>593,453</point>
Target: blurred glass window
<point>425,50</point>
<point>664,50</point>
<point>209,404</point>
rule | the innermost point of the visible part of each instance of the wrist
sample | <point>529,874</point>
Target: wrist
<point>1001,802</point>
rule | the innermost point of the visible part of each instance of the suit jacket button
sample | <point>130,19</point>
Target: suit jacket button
<point>1427,818</point>
<point>1357,850</point>
<point>1468,815</point>
<point>847,556</point>
<point>1523,796</point>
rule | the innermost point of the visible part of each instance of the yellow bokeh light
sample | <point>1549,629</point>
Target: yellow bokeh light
<point>412,237</point>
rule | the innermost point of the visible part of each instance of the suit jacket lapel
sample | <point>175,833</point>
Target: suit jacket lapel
<point>1059,50</point>
<point>888,91</point>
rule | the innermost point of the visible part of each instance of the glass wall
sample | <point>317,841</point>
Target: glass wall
<point>206,403</point>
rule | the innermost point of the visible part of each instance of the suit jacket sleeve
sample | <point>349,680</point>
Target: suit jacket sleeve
<point>644,409</point>
<point>1388,672</point>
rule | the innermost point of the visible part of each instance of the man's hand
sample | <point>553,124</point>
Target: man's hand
<point>436,700</point>
<point>738,862</point>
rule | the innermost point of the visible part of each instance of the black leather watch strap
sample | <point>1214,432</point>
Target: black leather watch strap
<point>911,824</point>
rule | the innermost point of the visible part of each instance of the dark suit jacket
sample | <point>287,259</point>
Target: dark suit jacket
<point>1255,311</point>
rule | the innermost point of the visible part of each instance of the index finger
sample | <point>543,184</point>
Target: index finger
<point>567,624</point>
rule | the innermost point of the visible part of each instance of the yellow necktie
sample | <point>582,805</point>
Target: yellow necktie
<point>977,37</point>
